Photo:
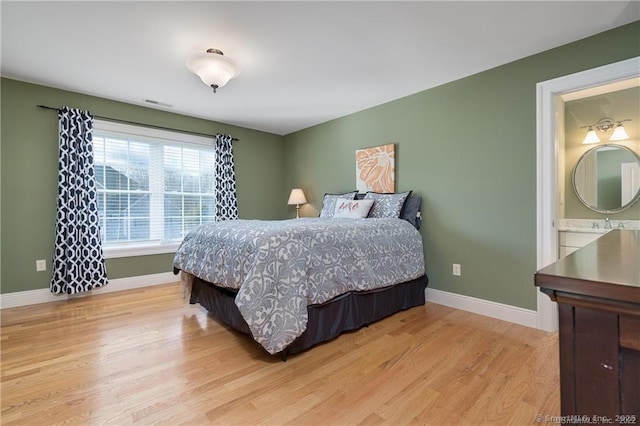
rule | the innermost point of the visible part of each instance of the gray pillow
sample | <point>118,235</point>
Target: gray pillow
<point>412,211</point>
<point>329,202</point>
<point>387,205</point>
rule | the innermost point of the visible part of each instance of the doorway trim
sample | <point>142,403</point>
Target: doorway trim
<point>549,119</point>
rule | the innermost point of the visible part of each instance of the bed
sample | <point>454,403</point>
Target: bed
<point>295,283</point>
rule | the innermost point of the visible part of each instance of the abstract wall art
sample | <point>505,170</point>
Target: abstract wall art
<point>375,168</point>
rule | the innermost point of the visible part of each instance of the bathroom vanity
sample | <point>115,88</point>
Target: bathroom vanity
<point>576,233</point>
<point>572,240</point>
<point>606,180</point>
<point>597,288</point>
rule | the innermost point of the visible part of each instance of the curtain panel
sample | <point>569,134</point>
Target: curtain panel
<point>78,260</point>
<point>226,195</point>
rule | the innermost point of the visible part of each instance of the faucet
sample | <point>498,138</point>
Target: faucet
<point>621,225</point>
<point>595,225</point>
<point>607,223</point>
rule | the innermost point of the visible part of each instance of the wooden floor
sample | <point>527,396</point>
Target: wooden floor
<point>144,356</point>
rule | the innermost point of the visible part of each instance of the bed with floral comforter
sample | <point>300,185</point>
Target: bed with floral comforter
<point>278,269</point>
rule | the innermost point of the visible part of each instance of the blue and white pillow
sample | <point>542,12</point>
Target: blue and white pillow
<point>329,203</point>
<point>387,205</point>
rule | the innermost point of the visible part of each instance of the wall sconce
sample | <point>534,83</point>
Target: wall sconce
<point>297,197</point>
<point>604,126</point>
<point>213,68</point>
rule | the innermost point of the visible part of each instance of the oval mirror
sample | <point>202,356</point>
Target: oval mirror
<point>606,179</point>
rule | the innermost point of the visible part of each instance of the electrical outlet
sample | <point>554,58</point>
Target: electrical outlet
<point>41,265</point>
<point>456,269</point>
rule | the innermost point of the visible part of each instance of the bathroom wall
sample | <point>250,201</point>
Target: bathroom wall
<point>618,105</point>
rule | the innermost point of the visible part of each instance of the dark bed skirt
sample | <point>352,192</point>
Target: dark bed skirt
<point>326,321</point>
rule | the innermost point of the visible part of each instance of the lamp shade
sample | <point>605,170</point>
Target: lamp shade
<point>213,68</point>
<point>591,137</point>
<point>297,197</point>
<point>619,133</point>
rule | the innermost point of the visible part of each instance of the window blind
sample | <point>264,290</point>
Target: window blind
<point>153,185</point>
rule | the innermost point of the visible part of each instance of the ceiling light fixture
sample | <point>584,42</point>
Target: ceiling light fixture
<point>213,68</point>
<point>604,126</point>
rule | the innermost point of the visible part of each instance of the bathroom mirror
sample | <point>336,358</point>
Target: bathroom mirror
<point>606,179</point>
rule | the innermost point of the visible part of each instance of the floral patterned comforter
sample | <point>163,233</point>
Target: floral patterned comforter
<point>280,267</point>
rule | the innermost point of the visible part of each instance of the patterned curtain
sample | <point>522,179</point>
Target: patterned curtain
<point>78,261</point>
<point>226,196</point>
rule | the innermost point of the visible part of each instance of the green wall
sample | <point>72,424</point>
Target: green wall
<point>29,177</point>
<point>469,149</point>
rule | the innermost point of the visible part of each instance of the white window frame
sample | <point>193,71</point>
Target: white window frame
<point>141,133</point>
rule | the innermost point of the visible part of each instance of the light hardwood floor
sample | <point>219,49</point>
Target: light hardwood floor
<point>144,356</point>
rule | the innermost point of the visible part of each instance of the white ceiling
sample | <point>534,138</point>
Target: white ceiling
<point>303,62</point>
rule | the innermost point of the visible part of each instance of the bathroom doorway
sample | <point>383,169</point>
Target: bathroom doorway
<point>550,98</point>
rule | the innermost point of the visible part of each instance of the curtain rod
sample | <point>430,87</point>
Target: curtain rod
<point>142,124</point>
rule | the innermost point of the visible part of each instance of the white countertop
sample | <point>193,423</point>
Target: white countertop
<point>583,230</point>
<point>587,225</point>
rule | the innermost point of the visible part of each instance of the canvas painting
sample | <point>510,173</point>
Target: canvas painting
<point>375,169</point>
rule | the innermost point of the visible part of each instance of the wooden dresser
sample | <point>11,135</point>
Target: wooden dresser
<point>597,289</point>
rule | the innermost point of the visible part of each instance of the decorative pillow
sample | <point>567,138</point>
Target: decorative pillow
<point>329,202</point>
<point>353,209</point>
<point>387,205</point>
<point>412,210</point>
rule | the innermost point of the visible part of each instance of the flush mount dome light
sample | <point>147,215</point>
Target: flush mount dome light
<point>213,68</point>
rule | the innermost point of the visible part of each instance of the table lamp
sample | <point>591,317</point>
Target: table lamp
<point>297,197</point>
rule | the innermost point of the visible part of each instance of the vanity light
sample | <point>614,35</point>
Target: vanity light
<point>619,133</point>
<point>591,137</point>
<point>604,126</point>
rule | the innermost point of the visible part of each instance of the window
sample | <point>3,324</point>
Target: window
<point>154,186</point>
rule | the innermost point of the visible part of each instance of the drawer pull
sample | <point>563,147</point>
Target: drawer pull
<point>607,366</point>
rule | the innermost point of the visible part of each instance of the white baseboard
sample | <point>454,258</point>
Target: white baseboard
<point>487,308</point>
<point>500,311</point>
<point>44,295</point>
